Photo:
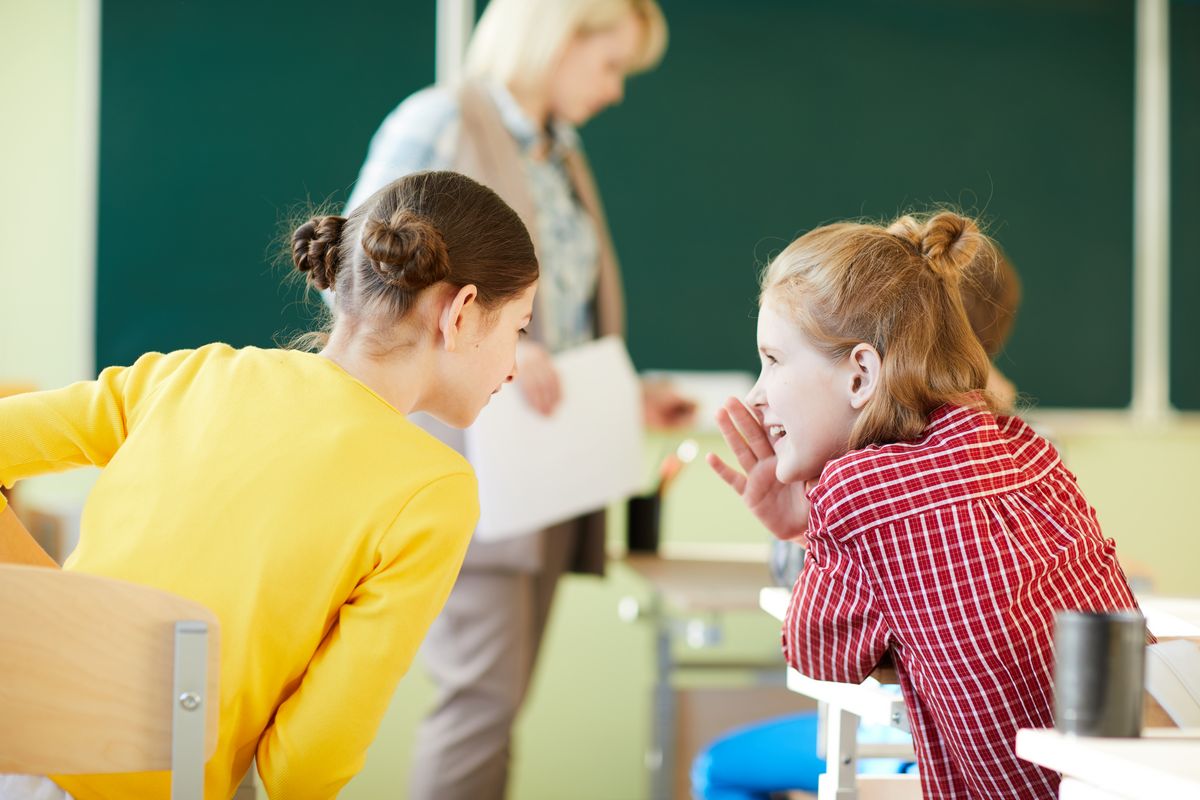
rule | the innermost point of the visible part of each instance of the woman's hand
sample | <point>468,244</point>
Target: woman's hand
<point>537,378</point>
<point>781,507</point>
<point>665,409</point>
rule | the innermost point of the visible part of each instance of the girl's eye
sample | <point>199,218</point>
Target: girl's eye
<point>523,332</point>
<point>770,359</point>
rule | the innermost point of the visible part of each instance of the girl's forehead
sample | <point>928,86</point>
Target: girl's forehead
<point>776,322</point>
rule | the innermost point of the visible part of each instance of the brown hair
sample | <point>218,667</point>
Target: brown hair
<point>897,289</point>
<point>417,231</point>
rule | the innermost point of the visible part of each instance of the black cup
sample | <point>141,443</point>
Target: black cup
<point>643,515</point>
<point>1099,672</point>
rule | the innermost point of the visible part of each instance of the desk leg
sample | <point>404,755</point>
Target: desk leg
<point>822,727</point>
<point>660,759</point>
<point>841,738</point>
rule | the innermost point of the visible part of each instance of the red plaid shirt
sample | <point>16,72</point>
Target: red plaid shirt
<point>954,551</point>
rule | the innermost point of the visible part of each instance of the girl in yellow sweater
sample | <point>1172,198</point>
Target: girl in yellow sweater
<point>288,492</point>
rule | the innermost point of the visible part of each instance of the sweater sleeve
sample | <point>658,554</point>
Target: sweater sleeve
<point>319,737</point>
<point>79,425</point>
<point>833,630</point>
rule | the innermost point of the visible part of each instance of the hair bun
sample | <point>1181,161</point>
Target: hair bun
<point>947,241</point>
<point>315,249</point>
<point>407,251</point>
<point>910,229</point>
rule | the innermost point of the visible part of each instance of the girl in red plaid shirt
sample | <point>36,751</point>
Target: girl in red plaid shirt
<point>937,528</point>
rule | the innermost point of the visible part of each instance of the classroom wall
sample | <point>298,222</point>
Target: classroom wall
<point>43,276</point>
<point>585,729</point>
<point>47,146</point>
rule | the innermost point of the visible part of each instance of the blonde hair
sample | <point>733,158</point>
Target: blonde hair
<point>516,41</point>
<point>991,292</point>
<point>897,289</point>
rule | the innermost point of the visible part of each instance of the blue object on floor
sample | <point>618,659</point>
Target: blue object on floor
<point>776,755</point>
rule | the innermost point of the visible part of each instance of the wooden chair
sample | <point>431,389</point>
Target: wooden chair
<point>101,676</point>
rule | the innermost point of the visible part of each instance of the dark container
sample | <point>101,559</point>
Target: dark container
<point>1099,672</point>
<point>643,517</point>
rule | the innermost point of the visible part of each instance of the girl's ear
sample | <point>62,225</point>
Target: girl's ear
<point>864,366</point>
<point>453,316</point>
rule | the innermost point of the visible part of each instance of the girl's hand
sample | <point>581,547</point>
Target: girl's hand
<point>781,507</point>
<point>537,378</point>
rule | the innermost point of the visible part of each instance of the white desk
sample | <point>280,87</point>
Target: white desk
<point>843,707</point>
<point>692,588</point>
<point>1171,617</point>
<point>1162,764</point>
<point>1154,766</point>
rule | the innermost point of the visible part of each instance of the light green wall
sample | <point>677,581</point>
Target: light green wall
<point>46,321</point>
<point>46,146</point>
<point>1141,483</point>
<point>586,726</point>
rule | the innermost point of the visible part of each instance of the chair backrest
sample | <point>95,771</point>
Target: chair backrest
<point>89,675</point>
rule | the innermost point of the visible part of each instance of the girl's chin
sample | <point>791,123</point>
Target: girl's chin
<point>787,471</point>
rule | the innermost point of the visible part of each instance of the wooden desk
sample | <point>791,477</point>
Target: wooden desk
<point>692,588</point>
<point>704,578</point>
<point>1161,764</point>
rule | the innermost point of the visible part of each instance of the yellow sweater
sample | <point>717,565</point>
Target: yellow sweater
<point>323,528</point>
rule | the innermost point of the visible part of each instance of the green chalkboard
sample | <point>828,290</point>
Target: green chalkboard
<point>1185,204</point>
<point>217,119</point>
<point>767,118</point>
<point>764,123</point>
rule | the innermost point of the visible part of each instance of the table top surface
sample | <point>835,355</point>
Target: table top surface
<point>705,578</point>
<point>1162,763</point>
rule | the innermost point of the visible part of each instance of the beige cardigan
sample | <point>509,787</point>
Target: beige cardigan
<point>488,153</point>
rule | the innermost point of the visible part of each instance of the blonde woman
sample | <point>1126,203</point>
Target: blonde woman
<point>535,71</point>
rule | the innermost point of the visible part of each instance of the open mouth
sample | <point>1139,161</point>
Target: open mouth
<point>775,433</point>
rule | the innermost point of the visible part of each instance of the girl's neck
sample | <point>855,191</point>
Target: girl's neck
<point>535,104</point>
<point>400,377</point>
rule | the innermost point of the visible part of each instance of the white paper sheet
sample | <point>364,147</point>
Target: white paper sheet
<point>535,471</point>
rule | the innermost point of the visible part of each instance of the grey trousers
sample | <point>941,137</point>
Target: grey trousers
<point>481,653</point>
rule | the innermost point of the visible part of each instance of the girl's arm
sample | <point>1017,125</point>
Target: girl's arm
<point>80,425</point>
<point>319,736</point>
<point>833,630</point>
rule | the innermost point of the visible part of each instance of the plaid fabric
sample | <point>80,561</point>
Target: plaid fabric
<point>954,551</point>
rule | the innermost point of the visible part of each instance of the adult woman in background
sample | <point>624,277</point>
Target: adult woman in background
<point>535,69</point>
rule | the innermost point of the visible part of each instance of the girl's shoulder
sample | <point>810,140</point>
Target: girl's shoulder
<point>964,453</point>
<point>426,112</point>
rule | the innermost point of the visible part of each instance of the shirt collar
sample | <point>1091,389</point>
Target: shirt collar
<point>563,136</point>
